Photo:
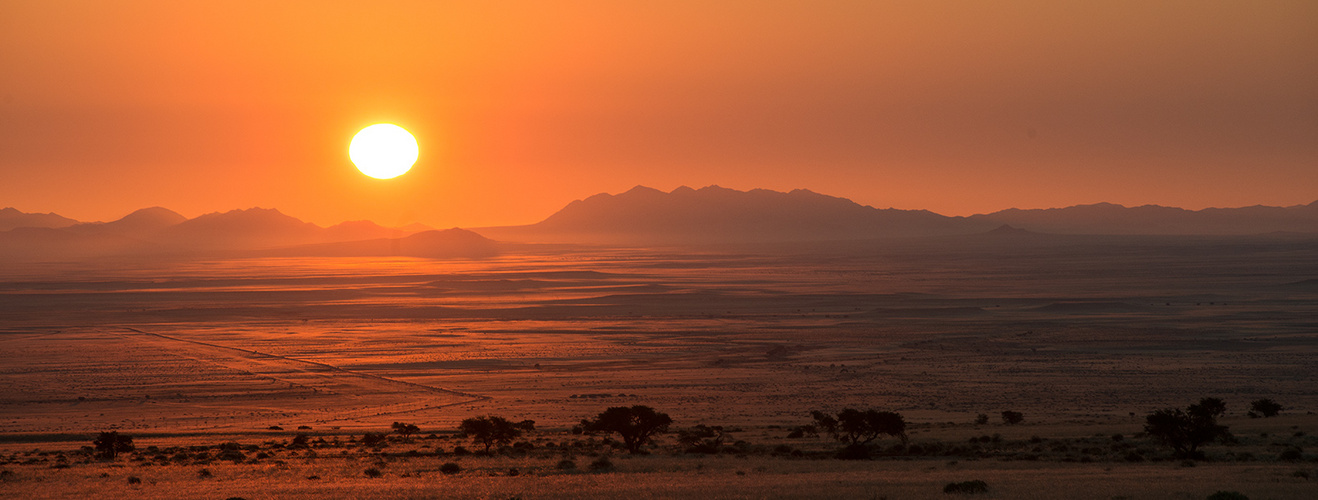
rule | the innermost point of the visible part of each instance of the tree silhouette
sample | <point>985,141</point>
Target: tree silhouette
<point>636,425</point>
<point>110,444</point>
<point>1265,408</point>
<point>491,430</point>
<point>860,427</point>
<point>702,438</point>
<point>1186,430</point>
<point>1012,417</point>
<point>405,430</point>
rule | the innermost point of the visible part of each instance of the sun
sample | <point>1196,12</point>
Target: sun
<point>383,151</point>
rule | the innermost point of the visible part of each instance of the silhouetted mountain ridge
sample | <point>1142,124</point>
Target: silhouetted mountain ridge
<point>11,218</point>
<point>158,231</point>
<point>1109,218</point>
<point>717,214</point>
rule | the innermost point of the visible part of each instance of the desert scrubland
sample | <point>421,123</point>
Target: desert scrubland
<point>1083,335</point>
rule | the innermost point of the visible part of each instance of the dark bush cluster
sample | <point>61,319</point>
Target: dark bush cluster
<point>966,487</point>
<point>1185,431</point>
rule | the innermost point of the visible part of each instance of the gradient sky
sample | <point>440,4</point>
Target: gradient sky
<point>520,107</point>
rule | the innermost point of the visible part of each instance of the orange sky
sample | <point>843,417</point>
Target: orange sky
<point>520,107</point>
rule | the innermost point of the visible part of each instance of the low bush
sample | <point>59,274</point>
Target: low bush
<point>854,452</point>
<point>1228,495</point>
<point>566,464</point>
<point>966,487</point>
<point>450,468</point>
<point>601,464</point>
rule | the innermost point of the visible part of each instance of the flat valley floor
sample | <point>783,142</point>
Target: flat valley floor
<point>1084,336</point>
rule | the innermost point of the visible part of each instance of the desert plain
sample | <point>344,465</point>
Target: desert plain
<point>1082,335</point>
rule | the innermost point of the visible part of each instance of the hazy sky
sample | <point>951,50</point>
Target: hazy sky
<point>520,107</point>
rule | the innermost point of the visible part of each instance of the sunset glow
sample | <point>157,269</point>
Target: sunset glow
<point>383,151</point>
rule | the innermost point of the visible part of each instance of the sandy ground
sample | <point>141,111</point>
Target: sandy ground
<point>1087,335</point>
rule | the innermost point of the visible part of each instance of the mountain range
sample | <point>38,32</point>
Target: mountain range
<point>717,214</point>
<point>160,232</point>
<point>642,215</point>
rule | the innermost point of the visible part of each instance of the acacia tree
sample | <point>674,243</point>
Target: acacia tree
<point>406,430</point>
<point>1186,430</point>
<point>637,425</point>
<point>110,444</point>
<point>856,427</point>
<point>491,430</point>
<point>1265,407</point>
<point>702,438</point>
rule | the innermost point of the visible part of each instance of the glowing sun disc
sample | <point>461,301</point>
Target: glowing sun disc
<point>383,151</point>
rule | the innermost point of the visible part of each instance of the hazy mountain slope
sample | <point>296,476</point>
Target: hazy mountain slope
<point>714,214</point>
<point>1107,218</point>
<point>253,228</point>
<point>139,224</point>
<point>11,218</point>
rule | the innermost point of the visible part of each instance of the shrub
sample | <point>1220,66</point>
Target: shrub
<point>1291,455</point>
<point>450,468</point>
<point>1228,495</point>
<point>405,430</point>
<point>566,464</point>
<point>134,480</point>
<point>370,439</point>
<point>981,419</point>
<point>204,473</point>
<point>966,487</point>
<point>860,427</point>
<point>1264,408</point>
<point>373,472</point>
<point>601,464</point>
<point>1186,430</point>
<point>1012,417</point>
<point>702,439</point>
<point>854,452</point>
<point>491,430</point>
<point>637,424</point>
<point>110,444</point>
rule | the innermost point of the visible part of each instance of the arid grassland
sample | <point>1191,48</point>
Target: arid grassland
<point>1084,339</point>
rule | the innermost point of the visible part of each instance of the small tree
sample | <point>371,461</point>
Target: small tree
<point>860,427</point>
<point>370,439</point>
<point>405,430</point>
<point>110,444</point>
<point>491,430</point>
<point>1264,408</point>
<point>1012,417</point>
<point>702,438</point>
<point>1186,430</point>
<point>637,425</point>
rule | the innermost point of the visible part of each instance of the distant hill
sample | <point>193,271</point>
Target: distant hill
<point>239,230</point>
<point>11,218</point>
<point>158,231</point>
<point>1107,218</point>
<point>364,230</point>
<point>715,214</point>
<point>139,224</point>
